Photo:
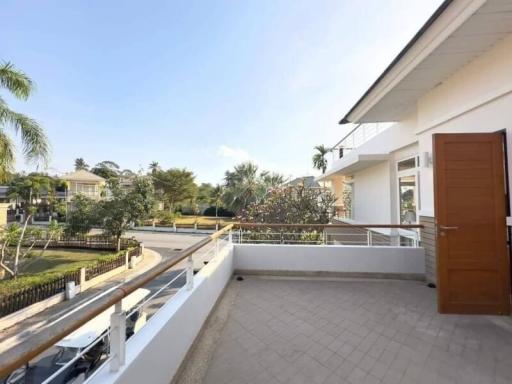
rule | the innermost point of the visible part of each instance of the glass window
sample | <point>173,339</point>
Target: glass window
<point>407,164</point>
<point>348,200</point>
<point>407,190</point>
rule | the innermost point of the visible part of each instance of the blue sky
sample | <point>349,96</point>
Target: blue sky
<point>200,84</point>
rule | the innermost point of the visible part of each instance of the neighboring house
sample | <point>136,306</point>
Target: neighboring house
<point>445,161</point>
<point>84,183</point>
<point>306,181</point>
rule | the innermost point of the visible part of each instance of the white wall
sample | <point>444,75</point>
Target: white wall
<point>372,195</point>
<point>154,354</point>
<point>333,258</point>
<point>477,98</point>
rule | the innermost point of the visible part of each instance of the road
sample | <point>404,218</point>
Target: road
<point>168,246</point>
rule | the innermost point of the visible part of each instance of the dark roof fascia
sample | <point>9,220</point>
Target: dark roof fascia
<point>402,53</point>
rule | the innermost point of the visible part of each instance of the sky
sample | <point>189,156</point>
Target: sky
<point>202,85</point>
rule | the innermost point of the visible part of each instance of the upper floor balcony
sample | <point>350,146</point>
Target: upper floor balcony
<point>272,304</point>
<point>357,136</point>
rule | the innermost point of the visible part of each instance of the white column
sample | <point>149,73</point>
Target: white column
<point>117,338</point>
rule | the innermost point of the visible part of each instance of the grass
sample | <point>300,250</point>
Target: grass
<point>203,220</point>
<point>63,260</point>
<point>54,263</point>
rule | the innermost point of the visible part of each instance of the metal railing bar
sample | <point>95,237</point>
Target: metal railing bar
<point>78,356</point>
<point>48,336</point>
<point>326,226</point>
<point>157,292</point>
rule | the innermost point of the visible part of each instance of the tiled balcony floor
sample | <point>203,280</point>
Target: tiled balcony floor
<point>326,332</point>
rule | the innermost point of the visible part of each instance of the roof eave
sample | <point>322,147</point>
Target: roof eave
<point>402,53</point>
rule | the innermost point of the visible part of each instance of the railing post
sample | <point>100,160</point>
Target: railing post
<point>190,273</point>
<point>369,238</point>
<point>82,278</point>
<point>117,337</point>
<point>216,247</point>
<point>324,237</point>
<point>416,238</point>
<point>240,236</point>
<point>230,236</point>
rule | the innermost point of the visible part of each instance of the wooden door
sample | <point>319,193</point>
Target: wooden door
<point>473,272</point>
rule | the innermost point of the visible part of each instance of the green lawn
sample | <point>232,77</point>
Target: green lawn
<point>63,260</point>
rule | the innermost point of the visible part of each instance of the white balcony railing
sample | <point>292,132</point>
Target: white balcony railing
<point>359,135</point>
<point>159,346</point>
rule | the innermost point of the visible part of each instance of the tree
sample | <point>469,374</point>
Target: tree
<point>216,197</point>
<point>118,213</point>
<point>244,185</point>
<point>292,205</point>
<point>82,215</point>
<point>107,169</point>
<point>319,160</point>
<point>54,231</point>
<point>33,139</point>
<point>80,165</point>
<point>154,167</point>
<point>175,185</point>
<point>272,179</point>
<point>19,236</point>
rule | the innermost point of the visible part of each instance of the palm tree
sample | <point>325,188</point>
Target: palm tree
<point>80,164</point>
<point>154,167</point>
<point>242,187</point>
<point>216,197</point>
<point>319,160</point>
<point>34,141</point>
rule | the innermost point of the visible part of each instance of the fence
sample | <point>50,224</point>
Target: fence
<point>108,265</point>
<point>328,234</point>
<point>15,301</point>
<point>23,298</point>
<point>88,242</point>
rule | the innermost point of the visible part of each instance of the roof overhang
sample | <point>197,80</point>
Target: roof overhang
<point>454,35</point>
<point>352,163</point>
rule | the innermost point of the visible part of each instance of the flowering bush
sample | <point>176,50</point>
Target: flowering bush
<point>292,205</point>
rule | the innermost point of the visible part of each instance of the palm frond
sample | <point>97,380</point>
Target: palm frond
<point>7,156</point>
<point>15,81</point>
<point>35,143</point>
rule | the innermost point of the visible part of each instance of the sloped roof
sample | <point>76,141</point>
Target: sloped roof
<point>307,181</point>
<point>82,175</point>
<point>457,33</point>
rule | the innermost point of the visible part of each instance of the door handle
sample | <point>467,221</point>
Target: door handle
<point>447,228</point>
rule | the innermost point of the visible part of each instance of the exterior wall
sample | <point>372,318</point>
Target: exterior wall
<point>372,195</point>
<point>381,261</point>
<point>428,242</point>
<point>477,98</point>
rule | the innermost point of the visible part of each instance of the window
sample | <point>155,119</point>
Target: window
<point>86,189</point>
<point>348,200</point>
<point>408,176</point>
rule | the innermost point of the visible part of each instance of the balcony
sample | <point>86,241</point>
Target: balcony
<point>311,308</point>
<point>359,135</point>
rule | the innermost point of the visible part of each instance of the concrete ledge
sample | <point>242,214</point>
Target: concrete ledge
<point>337,260</point>
<point>326,274</point>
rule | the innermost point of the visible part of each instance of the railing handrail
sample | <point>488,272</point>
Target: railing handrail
<point>323,226</point>
<point>45,338</point>
<point>346,136</point>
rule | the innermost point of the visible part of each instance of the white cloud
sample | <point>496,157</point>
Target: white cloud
<point>236,154</point>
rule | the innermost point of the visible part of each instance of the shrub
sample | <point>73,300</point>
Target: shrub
<point>221,212</point>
